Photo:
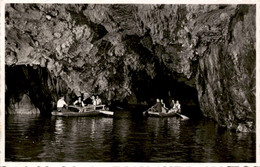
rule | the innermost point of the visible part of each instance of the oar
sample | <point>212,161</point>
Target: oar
<point>119,108</point>
<point>183,116</point>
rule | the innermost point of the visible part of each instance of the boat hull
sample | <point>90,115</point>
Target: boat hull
<point>105,112</point>
<point>156,114</point>
<point>84,111</point>
<point>76,114</point>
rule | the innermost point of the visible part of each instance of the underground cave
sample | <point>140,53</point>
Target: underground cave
<point>43,90</point>
<point>130,55</point>
<point>121,54</point>
<point>202,54</point>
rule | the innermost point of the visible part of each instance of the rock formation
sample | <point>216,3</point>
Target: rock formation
<point>106,49</point>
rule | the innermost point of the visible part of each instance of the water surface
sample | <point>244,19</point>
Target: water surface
<point>123,139</point>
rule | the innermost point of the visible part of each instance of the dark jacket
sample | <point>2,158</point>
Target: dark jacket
<point>158,106</point>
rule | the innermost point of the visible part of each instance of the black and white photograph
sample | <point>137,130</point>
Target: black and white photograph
<point>129,83</point>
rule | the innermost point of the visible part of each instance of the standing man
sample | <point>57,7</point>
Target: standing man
<point>60,104</point>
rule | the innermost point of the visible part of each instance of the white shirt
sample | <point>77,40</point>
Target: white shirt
<point>178,106</point>
<point>98,101</point>
<point>94,102</point>
<point>61,103</point>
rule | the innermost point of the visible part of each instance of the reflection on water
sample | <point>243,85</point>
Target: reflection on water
<point>123,139</point>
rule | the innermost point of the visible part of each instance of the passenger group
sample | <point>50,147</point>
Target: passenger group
<point>175,107</point>
<point>94,101</point>
<point>161,107</point>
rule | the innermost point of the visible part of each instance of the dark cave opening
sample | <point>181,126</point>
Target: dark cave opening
<point>167,88</point>
<point>44,90</point>
<point>34,81</point>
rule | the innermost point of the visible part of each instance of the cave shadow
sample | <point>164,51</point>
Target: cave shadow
<point>34,81</point>
<point>166,88</point>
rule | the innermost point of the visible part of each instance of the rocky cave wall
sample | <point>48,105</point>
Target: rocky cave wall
<point>103,49</point>
<point>31,89</point>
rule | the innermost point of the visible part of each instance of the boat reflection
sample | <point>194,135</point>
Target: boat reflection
<point>59,126</point>
<point>123,139</point>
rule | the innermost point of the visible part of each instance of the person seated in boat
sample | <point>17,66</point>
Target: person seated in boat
<point>157,107</point>
<point>94,101</point>
<point>61,104</point>
<point>164,108</point>
<point>98,101</point>
<point>173,107</point>
<point>172,104</point>
<point>178,106</point>
<point>79,102</point>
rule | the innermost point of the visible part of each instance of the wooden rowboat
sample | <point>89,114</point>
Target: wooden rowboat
<point>84,111</point>
<point>77,114</point>
<point>157,114</point>
<point>83,114</point>
<point>169,114</point>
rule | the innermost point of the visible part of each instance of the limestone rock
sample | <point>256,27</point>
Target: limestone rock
<point>104,48</point>
<point>24,106</point>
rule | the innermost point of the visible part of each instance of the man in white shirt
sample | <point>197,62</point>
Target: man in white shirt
<point>178,106</point>
<point>60,104</point>
<point>94,102</point>
<point>98,100</point>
